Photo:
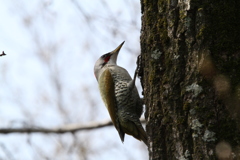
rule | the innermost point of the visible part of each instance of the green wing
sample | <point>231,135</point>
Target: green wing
<point>106,86</point>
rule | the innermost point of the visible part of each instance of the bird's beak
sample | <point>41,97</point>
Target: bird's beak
<point>114,53</point>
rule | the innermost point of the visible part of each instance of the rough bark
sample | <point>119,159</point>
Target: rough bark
<point>190,73</point>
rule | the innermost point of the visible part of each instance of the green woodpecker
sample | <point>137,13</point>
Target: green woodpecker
<point>120,95</point>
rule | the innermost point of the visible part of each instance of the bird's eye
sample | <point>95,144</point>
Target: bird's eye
<point>106,57</point>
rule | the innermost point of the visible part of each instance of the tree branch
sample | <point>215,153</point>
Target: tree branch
<point>59,130</point>
<point>63,129</point>
<point>3,53</point>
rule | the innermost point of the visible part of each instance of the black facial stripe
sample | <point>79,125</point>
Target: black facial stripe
<point>103,64</point>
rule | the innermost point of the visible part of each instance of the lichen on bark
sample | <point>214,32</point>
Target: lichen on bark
<point>189,49</point>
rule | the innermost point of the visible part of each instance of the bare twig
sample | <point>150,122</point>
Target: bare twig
<point>58,130</point>
<point>63,129</point>
<point>8,154</point>
<point>3,53</point>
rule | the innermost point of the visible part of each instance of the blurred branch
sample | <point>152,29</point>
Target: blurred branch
<point>3,53</point>
<point>8,154</point>
<point>58,130</point>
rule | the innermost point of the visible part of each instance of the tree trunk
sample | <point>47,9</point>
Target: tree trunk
<point>190,73</point>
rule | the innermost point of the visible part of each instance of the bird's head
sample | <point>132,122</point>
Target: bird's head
<point>106,59</point>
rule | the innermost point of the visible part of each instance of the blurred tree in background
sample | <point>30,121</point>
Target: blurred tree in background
<point>47,76</point>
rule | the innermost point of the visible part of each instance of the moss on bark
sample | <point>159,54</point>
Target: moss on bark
<point>185,46</point>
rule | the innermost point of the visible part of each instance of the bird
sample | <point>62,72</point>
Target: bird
<point>120,96</point>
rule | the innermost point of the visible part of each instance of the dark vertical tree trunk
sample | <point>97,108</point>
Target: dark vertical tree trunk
<point>190,73</point>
